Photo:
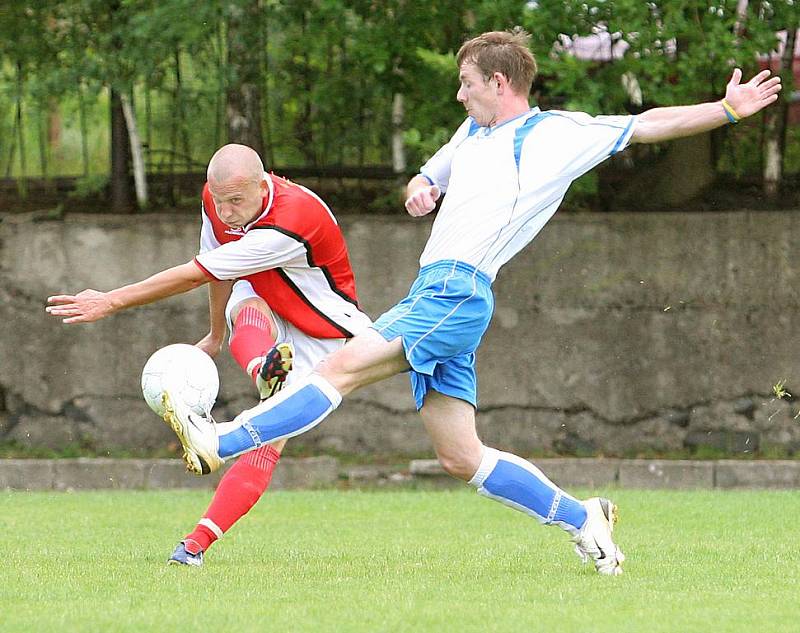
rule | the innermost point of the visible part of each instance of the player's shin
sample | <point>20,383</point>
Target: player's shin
<point>518,484</point>
<point>238,490</point>
<point>293,411</point>
<point>252,336</point>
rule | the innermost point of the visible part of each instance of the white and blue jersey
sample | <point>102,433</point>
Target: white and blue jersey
<point>501,185</point>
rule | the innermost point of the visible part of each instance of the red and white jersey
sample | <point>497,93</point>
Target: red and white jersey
<point>293,254</point>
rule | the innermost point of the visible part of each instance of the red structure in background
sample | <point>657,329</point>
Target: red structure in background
<point>601,47</point>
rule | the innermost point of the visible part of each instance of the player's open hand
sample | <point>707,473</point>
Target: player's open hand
<point>753,96</point>
<point>84,307</point>
<point>423,201</point>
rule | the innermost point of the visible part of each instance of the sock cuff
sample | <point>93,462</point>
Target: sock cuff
<point>206,522</point>
<point>327,389</point>
<point>488,462</point>
<point>262,458</point>
<point>250,315</point>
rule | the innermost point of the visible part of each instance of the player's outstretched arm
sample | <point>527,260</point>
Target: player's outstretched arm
<point>92,305</point>
<point>741,100</point>
<point>421,196</point>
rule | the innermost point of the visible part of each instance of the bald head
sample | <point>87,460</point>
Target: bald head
<point>237,184</point>
<point>235,162</point>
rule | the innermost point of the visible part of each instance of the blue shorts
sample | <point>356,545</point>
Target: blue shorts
<point>441,323</point>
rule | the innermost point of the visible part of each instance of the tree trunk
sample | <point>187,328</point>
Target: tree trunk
<point>398,146</point>
<point>22,183</point>
<point>775,123</point>
<point>139,176</point>
<point>84,130</point>
<point>243,94</point>
<point>121,193</point>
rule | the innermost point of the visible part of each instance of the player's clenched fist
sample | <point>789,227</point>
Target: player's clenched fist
<point>423,200</point>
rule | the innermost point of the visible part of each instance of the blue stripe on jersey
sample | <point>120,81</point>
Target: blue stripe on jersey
<point>523,131</point>
<point>615,149</point>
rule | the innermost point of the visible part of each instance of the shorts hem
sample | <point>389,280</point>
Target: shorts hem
<point>450,393</point>
<point>421,368</point>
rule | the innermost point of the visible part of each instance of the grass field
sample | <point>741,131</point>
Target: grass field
<point>396,561</point>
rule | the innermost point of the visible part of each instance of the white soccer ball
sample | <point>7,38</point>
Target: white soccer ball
<point>187,372</point>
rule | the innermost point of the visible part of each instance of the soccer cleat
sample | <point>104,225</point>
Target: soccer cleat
<point>196,434</point>
<point>183,557</point>
<point>594,542</point>
<point>275,366</point>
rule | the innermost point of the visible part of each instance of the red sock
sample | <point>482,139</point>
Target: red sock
<point>252,337</point>
<point>237,492</point>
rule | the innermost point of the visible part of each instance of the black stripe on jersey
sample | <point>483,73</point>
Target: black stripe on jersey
<point>310,260</point>
<point>345,333</point>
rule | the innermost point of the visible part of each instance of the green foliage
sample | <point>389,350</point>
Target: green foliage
<point>329,70</point>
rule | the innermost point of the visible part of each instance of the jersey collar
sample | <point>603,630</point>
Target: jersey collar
<point>486,131</point>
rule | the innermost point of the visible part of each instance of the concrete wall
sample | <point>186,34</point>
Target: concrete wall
<point>613,334</point>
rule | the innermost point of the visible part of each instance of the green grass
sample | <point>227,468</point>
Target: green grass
<point>396,561</point>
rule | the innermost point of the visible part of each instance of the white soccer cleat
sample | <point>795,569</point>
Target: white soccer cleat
<point>594,541</point>
<point>196,434</point>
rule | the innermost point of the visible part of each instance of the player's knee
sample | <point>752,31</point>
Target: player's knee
<point>338,371</point>
<point>252,302</point>
<point>458,463</point>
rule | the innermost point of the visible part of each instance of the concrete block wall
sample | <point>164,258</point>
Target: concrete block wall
<point>614,334</point>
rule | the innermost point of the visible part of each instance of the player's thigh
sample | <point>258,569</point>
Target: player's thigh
<point>450,423</point>
<point>309,351</point>
<point>365,359</point>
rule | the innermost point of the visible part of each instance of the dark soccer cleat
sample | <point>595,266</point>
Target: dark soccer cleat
<point>275,367</point>
<point>182,557</point>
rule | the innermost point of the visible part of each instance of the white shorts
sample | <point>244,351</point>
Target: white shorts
<point>308,351</point>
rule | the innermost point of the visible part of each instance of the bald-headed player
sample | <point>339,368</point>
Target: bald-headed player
<point>279,278</point>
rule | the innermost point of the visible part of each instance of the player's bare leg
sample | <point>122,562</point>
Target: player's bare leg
<point>365,359</point>
<point>517,483</point>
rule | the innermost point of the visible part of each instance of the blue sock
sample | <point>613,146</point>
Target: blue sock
<point>293,411</point>
<point>518,484</point>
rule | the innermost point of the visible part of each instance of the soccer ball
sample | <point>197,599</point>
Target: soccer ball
<point>189,374</point>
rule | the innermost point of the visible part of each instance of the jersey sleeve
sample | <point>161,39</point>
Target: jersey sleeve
<point>581,141</point>
<point>260,249</point>
<point>437,169</point>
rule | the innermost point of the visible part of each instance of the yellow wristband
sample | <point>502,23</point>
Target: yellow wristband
<point>733,117</point>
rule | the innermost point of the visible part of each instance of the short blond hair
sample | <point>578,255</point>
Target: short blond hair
<point>504,52</point>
